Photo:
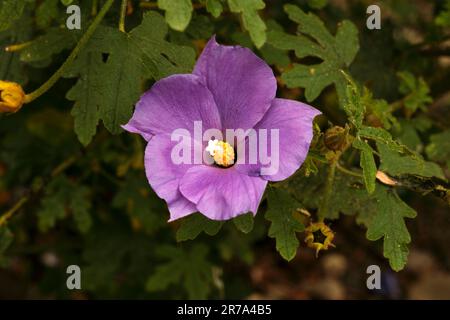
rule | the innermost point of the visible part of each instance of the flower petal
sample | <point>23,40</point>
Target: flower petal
<point>174,103</point>
<point>294,122</point>
<point>164,175</point>
<point>222,194</point>
<point>242,84</point>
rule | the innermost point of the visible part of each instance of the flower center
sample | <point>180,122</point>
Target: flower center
<point>222,152</point>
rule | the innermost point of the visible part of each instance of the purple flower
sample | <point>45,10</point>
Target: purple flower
<point>230,88</point>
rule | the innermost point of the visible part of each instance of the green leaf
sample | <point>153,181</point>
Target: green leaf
<point>416,90</point>
<point>10,10</point>
<point>46,12</point>
<point>315,40</point>
<point>52,42</point>
<point>380,109</point>
<point>214,7</point>
<point>439,148</point>
<point>86,95</point>
<point>317,4</point>
<point>121,79</point>
<point>108,90</point>
<point>309,190</point>
<point>6,238</point>
<point>357,105</point>
<point>382,136</point>
<point>195,224</point>
<point>407,134</point>
<point>127,254</point>
<point>382,212</point>
<point>62,196</point>
<point>389,224</point>
<point>244,222</point>
<point>187,267</point>
<point>397,164</point>
<point>272,55</point>
<point>80,206</point>
<point>283,224</point>
<point>178,13</point>
<point>53,205</point>
<point>251,19</point>
<point>11,68</point>
<point>367,163</point>
<point>353,106</point>
<point>168,273</point>
<point>67,2</point>
<point>201,27</point>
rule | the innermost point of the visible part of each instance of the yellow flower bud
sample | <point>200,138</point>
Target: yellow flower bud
<point>12,97</point>
<point>319,236</point>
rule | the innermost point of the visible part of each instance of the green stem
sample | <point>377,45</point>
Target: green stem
<point>347,171</point>
<point>323,209</point>
<point>4,218</point>
<point>94,8</point>
<point>123,11</point>
<point>64,165</point>
<point>83,41</point>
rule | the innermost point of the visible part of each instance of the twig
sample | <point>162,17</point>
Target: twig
<point>8,214</point>
<point>123,11</point>
<point>23,200</point>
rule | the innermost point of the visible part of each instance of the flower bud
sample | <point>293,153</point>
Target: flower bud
<point>12,97</point>
<point>336,138</point>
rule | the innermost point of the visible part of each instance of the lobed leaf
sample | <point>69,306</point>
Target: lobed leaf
<point>284,226</point>
<point>188,266</point>
<point>214,7</point>
<point>439,147</point>
<point>315,40</point>
<point>244,222</point>
<point>389,224</point>
<point>195,224</point>
<point>398,164</point>
<point>178,13</point>
<point>251,19</point>
<point>367,163</point>
<point>107,90</point>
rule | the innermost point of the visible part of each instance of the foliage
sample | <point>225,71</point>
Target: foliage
<point>314,39</point>
<point>73,185</point>
<point>10,10</point>
<point>284,225</point>
<point>388,223</point>
<point>112,87</point>
<point>191,267</point>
